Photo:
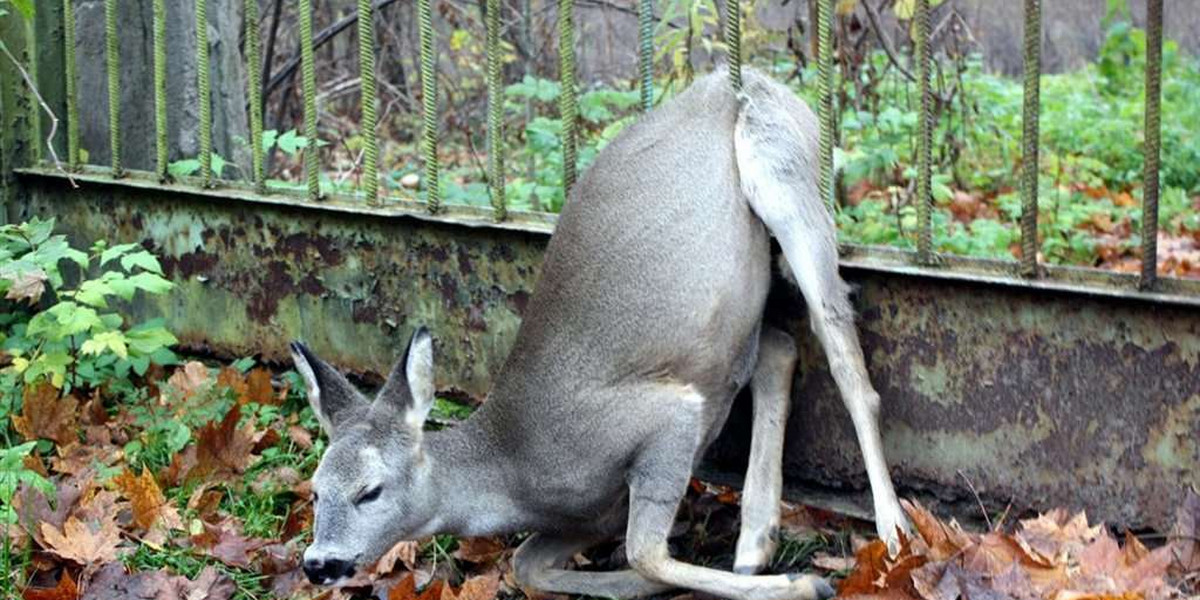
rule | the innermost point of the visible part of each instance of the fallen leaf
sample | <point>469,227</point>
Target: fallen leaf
<point>149,504</point>
<point>480,550</point>
<point>26,285</point>
<point>44,415</point>
<point>86,543</point>
<point>223,450</point>
<point>113,583</point>
<point>258,387</point>
<point>480,587</point>
<point>64,590</point>
<point>300,436</point>
<point>1185,536</point>
<point>832,564</point>
<point>189,378</point>
<point>404,552</point>
<point>224,542</point>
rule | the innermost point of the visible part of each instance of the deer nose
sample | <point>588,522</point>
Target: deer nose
<point>322,571</point>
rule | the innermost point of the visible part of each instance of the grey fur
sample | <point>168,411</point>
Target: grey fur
<point>645,324</point>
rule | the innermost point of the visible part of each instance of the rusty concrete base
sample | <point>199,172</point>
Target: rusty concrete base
<point>1040,394</point>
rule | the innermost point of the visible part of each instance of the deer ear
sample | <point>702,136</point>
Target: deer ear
<point>331,396</point>
<point>409,388</point>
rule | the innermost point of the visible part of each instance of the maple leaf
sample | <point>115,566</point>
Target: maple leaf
<point>942,541</point>
<point>26,285</point>
<point>259,389</point>
<point>46,416</point>
<point>403,552</point>
<point>1053,535</point>
<point>149,504</point>
<point>33,508</point>
<point>113,583</point>
<point>86,543</point>
<point>223,542</point>
<point>65,590</point>
<point>189,378</point>
<point>480,550</point>
<point>223,450</point>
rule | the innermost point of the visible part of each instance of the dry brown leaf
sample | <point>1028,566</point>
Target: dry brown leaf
<point>833,564</point>
<point>113,583</point>
<point>149,504</point>
<point>942,541</point>
<point>1185,536</point>
<point>258,387</point>
<point>189,378</point>
<point>480,587</point>
<point>86,543</point>
<point>223,450</point>
<point>44,415</point>
<point>76,458</point>
<point>64,590</point>
<point>480,550</point>
<point>1053,534</point>
<point>230,378</point>
<point>405,589</point>
<point>224,543</point>
<point>404,552</point>
<point>26,285</point>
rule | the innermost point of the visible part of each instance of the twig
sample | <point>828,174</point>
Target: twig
<point>873,17</point>
<point>53,118</point>
<point>971,486</point>
<point>289,68</point>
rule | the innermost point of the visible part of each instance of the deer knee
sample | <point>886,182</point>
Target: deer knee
<point>649,560</point>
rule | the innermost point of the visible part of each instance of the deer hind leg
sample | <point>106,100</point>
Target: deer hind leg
<point>538,564</point>
<point>771,387</point>
<point>775,144</point>
<point>657,482</point>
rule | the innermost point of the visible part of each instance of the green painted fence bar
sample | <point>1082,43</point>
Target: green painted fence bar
<point>73,154</point>
<point>254,66</point>
<point>733,41</point>
<point>161,153</point>
<point>495,94</point>
<point>825,112</point>
<point>1150,168</point>
<point>308,70</point>
<point>429,106</point>
<point>924,197</point>
<point>568,108</point>
<point>204,93</point>
<point>1029,136</point>
<point>646,53</point>
<point>112,47</point>
<point>370,118</point>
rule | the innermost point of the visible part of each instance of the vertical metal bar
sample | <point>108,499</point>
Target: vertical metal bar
<point>160,89</point>
<point>825,97</point>
<point>495,92</point>
<point>308,68</point>
<point>72,84</point>
<point>204,91</point>
<point>733,41</point>
<point>112,45</point>
<point>1029,159</point>
<point>429,107</point>
<point>35,107</point>
<point>370,119</point>
<point>567,108</point>
<point>646,52</point>
<point>1150,168</point>
<point>254,67</point>
<point>924,198</point>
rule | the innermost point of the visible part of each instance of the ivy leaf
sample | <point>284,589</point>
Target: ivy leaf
<point>115,252</point>
<point>142,259</point>
<point>151,283</point>
<point>268,138</point>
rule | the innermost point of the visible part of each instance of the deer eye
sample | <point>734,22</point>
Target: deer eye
<point>370,495</point>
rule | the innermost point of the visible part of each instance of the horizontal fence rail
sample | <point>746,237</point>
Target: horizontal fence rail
<point>926,254</point>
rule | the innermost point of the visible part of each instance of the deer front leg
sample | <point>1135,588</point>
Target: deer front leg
<point>538,564</point>
<point>771,388</point>
<point>657,483</point>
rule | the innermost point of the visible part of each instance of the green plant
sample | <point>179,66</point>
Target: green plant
<point>64,329</point>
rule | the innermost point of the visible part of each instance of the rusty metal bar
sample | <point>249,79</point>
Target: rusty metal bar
<point>568,108</point>
<point>733,41</point>
<point>429,117</point>
<point>1029,120</point>
<point>370,118</point>
<point>1150,168</point>
<point>924,197</point>
<point>495,93</point>
<point>204,93</point>
<point>646,53</point>
<point>825,98</point>
<point>308,69</point>
<point>112,53</point>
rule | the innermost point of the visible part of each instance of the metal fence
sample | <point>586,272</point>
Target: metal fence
<point>924,257</point>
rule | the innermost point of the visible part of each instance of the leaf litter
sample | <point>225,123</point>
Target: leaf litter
<point>110,510</point>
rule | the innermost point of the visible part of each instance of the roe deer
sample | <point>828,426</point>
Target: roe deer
<point>647,320</point>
